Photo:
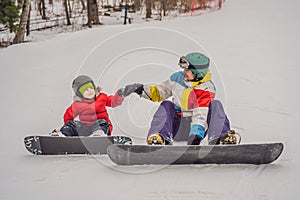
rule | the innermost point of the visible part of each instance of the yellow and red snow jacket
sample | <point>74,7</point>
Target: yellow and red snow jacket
<point>189,98</point>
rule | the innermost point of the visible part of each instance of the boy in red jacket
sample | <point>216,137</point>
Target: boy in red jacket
<point>90,107</point>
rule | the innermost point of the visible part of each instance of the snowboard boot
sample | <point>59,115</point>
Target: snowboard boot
<point>231,137</point>
<point>56,133</point>
<point>98,133</point>
<point>194,140</point>
<point>155,139</point>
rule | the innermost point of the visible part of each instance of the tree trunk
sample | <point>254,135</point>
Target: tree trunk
<point>89,13</point>
<point>28,23</point>
<point>43,9</point>
<point>148,8</point>
<point>164,7</point>
<point>20,34</point>
<point>69,7</point>
<point>67,12</point>
<point>93,16</point>
<point>137,4</point>
<point>83,5</point>
<point>38,5</point>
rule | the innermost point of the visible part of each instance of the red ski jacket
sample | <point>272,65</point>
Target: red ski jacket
<point>90,110</point>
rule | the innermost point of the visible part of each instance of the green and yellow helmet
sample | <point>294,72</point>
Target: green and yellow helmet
<point>198,63</point>
<point>81,83</point>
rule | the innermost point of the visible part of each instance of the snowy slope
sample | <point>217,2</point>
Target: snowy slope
<point>254,47</point>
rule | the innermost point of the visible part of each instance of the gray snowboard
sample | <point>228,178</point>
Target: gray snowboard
<point>179,155</point>
<point>51,145</point>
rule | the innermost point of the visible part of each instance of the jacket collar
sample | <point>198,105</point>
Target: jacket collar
<point>206,78</point>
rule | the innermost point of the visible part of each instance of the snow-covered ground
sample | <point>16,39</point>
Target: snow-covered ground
<point>254,46</point>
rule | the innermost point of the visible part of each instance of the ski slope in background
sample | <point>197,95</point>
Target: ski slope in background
<point>254,47</point>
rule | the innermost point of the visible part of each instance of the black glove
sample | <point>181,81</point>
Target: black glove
<point>133,88</point>
<point>121,92</point>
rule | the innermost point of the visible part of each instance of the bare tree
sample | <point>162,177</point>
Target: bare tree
<point>83,5</point>
<point>41,8</point>
<point>148,8</point>
<point>69,7</point>
<point>28,22</point>
<point>95,13</point>
<point>137,4</point>
<point>20,34</point>
<point>93,16</point>
<point>186,5</point>
<point>67,12</point>
<point>164,4</point>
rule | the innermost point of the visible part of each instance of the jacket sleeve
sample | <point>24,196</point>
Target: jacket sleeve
<point>159,92</point>
<point>114,100</point>
<point>70,113</point>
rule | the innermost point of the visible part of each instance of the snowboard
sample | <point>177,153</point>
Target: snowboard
<point>52,145</point>
<point>179,155</point>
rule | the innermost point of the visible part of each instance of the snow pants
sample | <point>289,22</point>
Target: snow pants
<point>76,128</point>
<point>172,126</point>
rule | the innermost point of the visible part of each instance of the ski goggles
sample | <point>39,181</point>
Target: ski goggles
<point>184,63</point>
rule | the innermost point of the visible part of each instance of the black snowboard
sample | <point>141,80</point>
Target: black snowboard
<point>180,155</point>
<point>51,145</point>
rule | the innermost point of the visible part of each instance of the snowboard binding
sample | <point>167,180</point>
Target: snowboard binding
<point>231,137</point>
<point>155,139</point>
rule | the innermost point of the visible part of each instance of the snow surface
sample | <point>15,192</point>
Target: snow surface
<point>254,46</point>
